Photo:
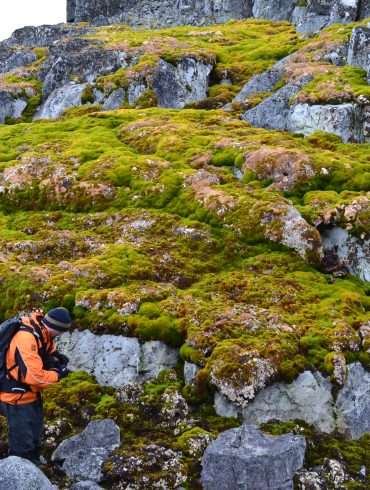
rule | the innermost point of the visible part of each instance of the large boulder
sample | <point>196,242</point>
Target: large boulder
<point>353,402</point>
<point>245,459</point>
<point>184,83</point>
<point>115,360</point>
<point>102,434</point>
<point>20,474</point>
<point>344,120</point>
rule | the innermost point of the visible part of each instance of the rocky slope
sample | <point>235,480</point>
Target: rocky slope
<point>177,191</point>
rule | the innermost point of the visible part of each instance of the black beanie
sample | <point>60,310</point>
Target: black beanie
<point>58,319</point>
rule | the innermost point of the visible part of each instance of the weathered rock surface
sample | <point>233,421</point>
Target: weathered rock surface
<point>344,120</point>
<point>176,86</point>
<point>245,458</point>
<point>115,360</point>
<point>353,253</point>
<point>10,107</point>
<point>273,112</point>
<point>163,13</point>
<point>14,58</point>
<point>102,434</point>
<point>20,474</point>
<point>81,59</point>
<point>310,18</point>
<point>354,402</point>
<point>42,36</point>
<point>86,463</point>
<point>359,48</point>
<point>62,98</point>
<point>309,398</point>
<point>114,100</point>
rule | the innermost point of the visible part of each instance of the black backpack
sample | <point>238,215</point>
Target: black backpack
<point>7,331</point>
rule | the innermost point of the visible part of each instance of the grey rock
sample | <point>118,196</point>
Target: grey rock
<point>273,112</point>
<point>353,402</point>
<point>308,398</point>
<point>277,10</point>
<point>308,22</point>
<point>190,370</point>
<point>349,250</point>
<point>163,13</point>
<point>14,58</point>
<point>98,434</point>
<point>86,463</point>
<point>344,120</point>
<point>62,98</point>
<point>115,360</point>
<point>263,82</point>
<point>20,474</point>
<point>10,107</point>
<point>80,58</point>
<point>42,36</point>
<point>245,459</point>
<point>359,48</point>
<point>86,485</point>
<point>344,11</point>
<point>135,90</point>
<point>176,86</point>
<point>224,408</point>
<point>115,100</point>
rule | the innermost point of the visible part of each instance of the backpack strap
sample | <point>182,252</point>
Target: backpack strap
<point>11,384</point>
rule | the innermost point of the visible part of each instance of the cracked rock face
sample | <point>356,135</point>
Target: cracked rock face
<point>245,458</point>
<point>60,99</point>
<point>344,120</point>
<point>176,86</point>
<point>115,360</point>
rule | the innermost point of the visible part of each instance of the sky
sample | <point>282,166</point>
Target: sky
<point>20,13</point>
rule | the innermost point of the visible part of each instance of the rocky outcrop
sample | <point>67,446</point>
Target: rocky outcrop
<point>307,398</point>
<point>159,13</point>
<point>20,474</point>
<point>353,254</point>
<point>184,83</point>
<point>245,458</point>
<point>62,98</point>
<point>310,398</point>
<point>80,59</point>
<point>114,360</point>
<point>344,120</point>
<point>43,36</point>
<point>10,106</point>
<point>273,112</point>
<point>308,18</point>
<point>11,58</point>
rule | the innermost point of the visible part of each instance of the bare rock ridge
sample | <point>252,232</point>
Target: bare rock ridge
<point>310,16</point>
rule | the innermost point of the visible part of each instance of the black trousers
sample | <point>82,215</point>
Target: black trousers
<point>25,424</point>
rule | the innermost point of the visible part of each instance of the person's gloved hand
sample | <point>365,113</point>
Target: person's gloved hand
<point>62,372</point>
<point>61,357</point>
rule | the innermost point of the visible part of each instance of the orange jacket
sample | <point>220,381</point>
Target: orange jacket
<point>25,347</point>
